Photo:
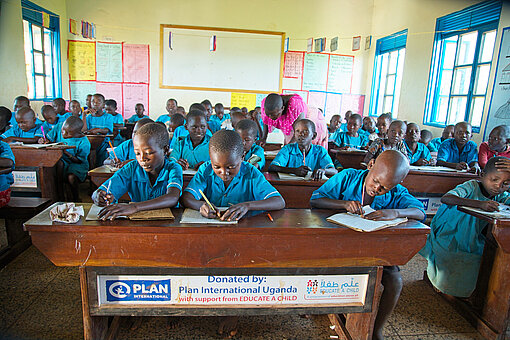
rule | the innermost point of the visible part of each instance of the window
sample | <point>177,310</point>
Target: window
<point>42,53</point>
<point>460,67</point>
<point>387,77</point>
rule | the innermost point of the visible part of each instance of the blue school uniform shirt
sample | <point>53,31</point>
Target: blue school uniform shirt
<point>455,244</point>
<point>102,122</point>
<point>291,156</point>
<point>259,151</point>
<point>184,149</point>
<point>343,127</point>
<point>347,185</point>
<point>124,151</point>
<point>343,139</point>
<point>248,185</point>
<point>434,144</point>
<point>6,179</point>
<point>134,118</point>
<point>48,127</point>
<point>134,180</point>
<point>82,152</point>
<point>421,152</point>
<point>225,117</point>
<point>449,152</point>
<point>163,119</point>
<point>181,131</point>
<point>62,117</point>
<point>214,125</point>
<point>117,119</point>
<point>15,131</point>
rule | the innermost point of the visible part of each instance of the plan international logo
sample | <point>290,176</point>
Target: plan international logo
<point>138,290</point>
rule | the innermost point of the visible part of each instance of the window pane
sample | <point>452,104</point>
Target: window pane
<point>49,87</point>
<point>36,36</point>
<point>477,110</point>
<point>400,70</point>
<point>457,110</point>
<point>467,47</point>
<point>393,62</point>
<point>388,101</point>
<point>450,47</point>
<point>446,83</point>
<point>39,86</point>
<point>390,85</point>
<point>38,62</point>
<point>461,81</point>
<point>482,79</point>
<point>48,70</point>
<point>47,42</point>
<point>489,38</point>
<point>442,110</point>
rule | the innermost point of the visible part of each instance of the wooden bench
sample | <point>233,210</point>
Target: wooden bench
<point>15,213</point>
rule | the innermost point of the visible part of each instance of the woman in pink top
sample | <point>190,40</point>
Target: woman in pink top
<point>281,111</point>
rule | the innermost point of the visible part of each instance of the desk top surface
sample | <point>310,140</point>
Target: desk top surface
<point>48,148</point>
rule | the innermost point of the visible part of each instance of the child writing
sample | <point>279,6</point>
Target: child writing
<point>98,122</point>
<point>118,122</point>
<point>383,124</point>
<point>455,244</point>
<point>393,141</point>
<point>220,115</point>
<point>152,181</point>
<point>171,106</point>
<point>351,138</point>
<point>6,167</point>
<point>436,142</point>
<point>50,118</point>
<point>19,102</point>
<point>253,153</point>
<point>498,145</point>
<point>192,150</point>
<point>26,130</point>
<point>139,110</point>
<point>459,152</point>
<point>302,157</point>
<point>417,152</point>
<point>378,187</point>
<point>59,105</point>
<point>75,108</point>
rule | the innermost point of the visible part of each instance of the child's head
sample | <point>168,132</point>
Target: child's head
<point>236,117</point>
<point>5,117</point>
<point>139,124</point>
<point>495,181</point>
<point>235,109</point>
<point>425,137</point>
<point>462,133</point>
<point>273,106</point>
<point>197,106</point>
<point>247,129</point>
<point>334,123</point>
<point>304,132</point>
<point>388,170</point>
<point>110,106</point>
<point>226,152</point>
<point>354,123</point>
<point>88,101</point>
<point>25,117</point>
<point>97,102</point>
<point>413,133</point>
<point>19,102</point>
<point>176,121</point>
<point>347,115</point>
<point>49,114</point>
<point>396,132</point>
<point>72,127</point>
<point>171,105</point>
<point>448,132</point>
<point>196,124</point>
<point>208,108</point>
<point>369,124</point>
<point>219,110</point>
<point>499,138</point>
<point>150,143</point>
<point>383,123</point>
<point>244,110</point>
<point>139,109</point>
<point>75,107</point>
<point>59,105</point>
<point>180,110</point>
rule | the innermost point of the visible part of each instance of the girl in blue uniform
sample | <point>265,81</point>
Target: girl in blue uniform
<point>417,152</point>
<point>455,244</point>
<point>351,138</point>
<point>99,122</point>
<point>152,181</point>
<point>253,153</point>
<point>459,152</point>
<point>139,110</point>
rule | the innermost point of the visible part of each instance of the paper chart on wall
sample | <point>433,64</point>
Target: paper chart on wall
<point>293,65</point>
<point>136,63</point>
<point>340,73</point>
<point>241,100</point>
<point>315,72</point>
<point>333,104</point>
<point>82,60</point>
<point>317,99</point>
<point>353,102</point>
<point>302,94</point>
<point>112,91</point>
<point>80,89</point>
<point>109,62</point>
<point>132,95</point>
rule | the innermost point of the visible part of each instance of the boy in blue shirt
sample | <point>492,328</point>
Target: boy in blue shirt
<point>378,187</point>
<point>118,122</point>
<point>50,118</point>
<point>152,181</point>
<point>5,117</point>
<point>253,153</point>
<point>213,125</point>
<point>192,150</point>
<point>19,102</point>
<point>181,131</point>
<point>351,138</point>
<point>175,122</point>
<point>125,152</point>
<point>6,178</point>
<point>75,108</point>
<point>139,110</point>
<point>302,156</point>
<point>220,115</point>
<point>171,106</point>
<point>59,105</point>
<point>435,143</point>
<point>459,152</point>
<point>26,130</point>
<point>99,122</point>
<point>417,152</point>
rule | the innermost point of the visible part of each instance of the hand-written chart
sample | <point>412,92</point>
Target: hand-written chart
<point>315,72</point>
<point>241,100</point>
<point>112,91</point>
<point>340,73</point>
<point>82,61</point>
<point>136,63</point>
<point>109,62</point>
<point>80,90</point>
<point>132,95</point>
<point>293,65</point>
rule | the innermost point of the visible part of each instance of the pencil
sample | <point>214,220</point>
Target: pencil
<point>113,150</point>
<point>205,198</point>
<point>43,134</point>
<point>270,217</point>
<point>304,159</point>
<point>108,190</point>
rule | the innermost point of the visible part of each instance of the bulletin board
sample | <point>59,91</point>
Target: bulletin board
<point>241,61</point>
<point>119,71</point>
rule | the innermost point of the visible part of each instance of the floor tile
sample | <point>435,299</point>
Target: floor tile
<point>451,336</point>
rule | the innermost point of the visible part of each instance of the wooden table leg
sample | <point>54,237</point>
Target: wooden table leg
<point>94,327</point>
<point>48,178</point>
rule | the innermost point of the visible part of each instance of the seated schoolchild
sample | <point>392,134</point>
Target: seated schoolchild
<point>176,121</point>
<point>26,130</point>
<point>152,181</point>
<point>334,124</point>
<point>459,152</point>
<point>352,138</point>
<point>75,108</point>
<point>498,145</point>
<point>59,105</point>
<point>436,142</point>
<point>383,124</point>
<point>5,118</point>
<point>139,114</point>
<point>302,156</point>
<point>171,106</point>
<point>220,115</point>
<point>369,128</point>
<point>393,141</point>
<point>213,125</point>
<point>343,126</point>
<point>50,118</point>
<point>417,152</point>
<point>181,131</point>
<point>253,153</point>
<point>19,102</point>
<point>110,106</point>
<point>425,137</point>
<point>99,122</point>
<point>6,167</point>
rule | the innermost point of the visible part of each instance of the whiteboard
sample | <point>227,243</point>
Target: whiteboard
<point>244,61</point>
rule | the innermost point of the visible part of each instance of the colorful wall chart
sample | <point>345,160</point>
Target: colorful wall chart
<point>82,61</point>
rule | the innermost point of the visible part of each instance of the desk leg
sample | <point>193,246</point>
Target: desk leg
<point>94,327</point>
<point>48,178</point>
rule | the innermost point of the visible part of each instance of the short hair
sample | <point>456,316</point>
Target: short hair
<point>74,122</point>
<point>462,123</point>
<point>273,102</point>
<point>59,101</point>
<point>247,125</point>
<point>426,134</point>
<point>196,113</point>
<point>180,108</point>
<point>399,122</point>
<point>504,130</point>
<point>491,164</point>
<point>77,102</point>
<point>227,142</point>
<point>22,99</point>
<point>206,102</point>
<point>235,109</point>
<point>177,119</point>
<point>156,131</point>
<point>111,102</point>
<point>140,105</point>
<point>5,113</point>
<point>144,121</point>
<point>25,110</point>
<point>338,116</point>
<point>219,105</point>
<point>46,108</point>
<point>357,117</point>
<point>99,95</point>
<point>175,101</point>
<point>197,106</point>
<point>305,121</point>
<point>386,116</point>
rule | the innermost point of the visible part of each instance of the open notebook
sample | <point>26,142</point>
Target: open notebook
<point>190,172</point>
<point>293,177</point>
<point>358,223</point>
<point>146,215</point>
<point>40,146</point>
<point>193,216</point>
<point>504,211</point>
<point>433,168</point>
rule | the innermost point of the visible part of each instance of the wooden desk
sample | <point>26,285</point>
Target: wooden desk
<point>298,242</point>
<point>44,160</point>
<point>435,182</point>
<point>95,142</point>
<point>349,159</point>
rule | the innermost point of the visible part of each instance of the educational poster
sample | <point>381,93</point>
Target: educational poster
<point>302,94</point>
<point>499,109</point>
<point>82,61</point>
<point>353,102</point>
<point>333,105</point>
<point>112,91</point>
<point>132,95</point>
<point>109,62</point>
<point>315,72</point>
<point>136,63</point>
<point>80,89</point>
<point>340,73</point>
<point>258,99</point>
<point>293,65</point>
<point>241,100</point>
<point>317,99</point>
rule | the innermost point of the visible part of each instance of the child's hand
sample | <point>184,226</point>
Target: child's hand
<point>102,199</point>
<point>302,170</point>
<point>317,174</point>
<point>422,161</point>
<point>343,148</point>
<point>207,212</point>
<point>462,166</point>
<point>184,163</point>
<point>382,215</point>
<point>489,205</point>
<point>235,212</point>
<point>503,164</point>
<point>113,211</point>
<point>475,169</point>
<point>354,207</point>
<point>198,165</point>
<point>41,141</point>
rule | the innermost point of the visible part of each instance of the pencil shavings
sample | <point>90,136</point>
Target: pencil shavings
<point>66,213</point>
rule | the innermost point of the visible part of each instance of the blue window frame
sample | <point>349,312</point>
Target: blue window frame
<point>42,53</point>
<point>387,76</point>
<point>461,63</point>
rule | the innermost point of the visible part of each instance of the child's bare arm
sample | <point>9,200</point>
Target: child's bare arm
<point>300,171</point>
<point>390,214</point>
<point>33,140</point>
<point>456,200</point>
<point>328,203</point>
<point>458,166</point>
<point>237,211</point>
